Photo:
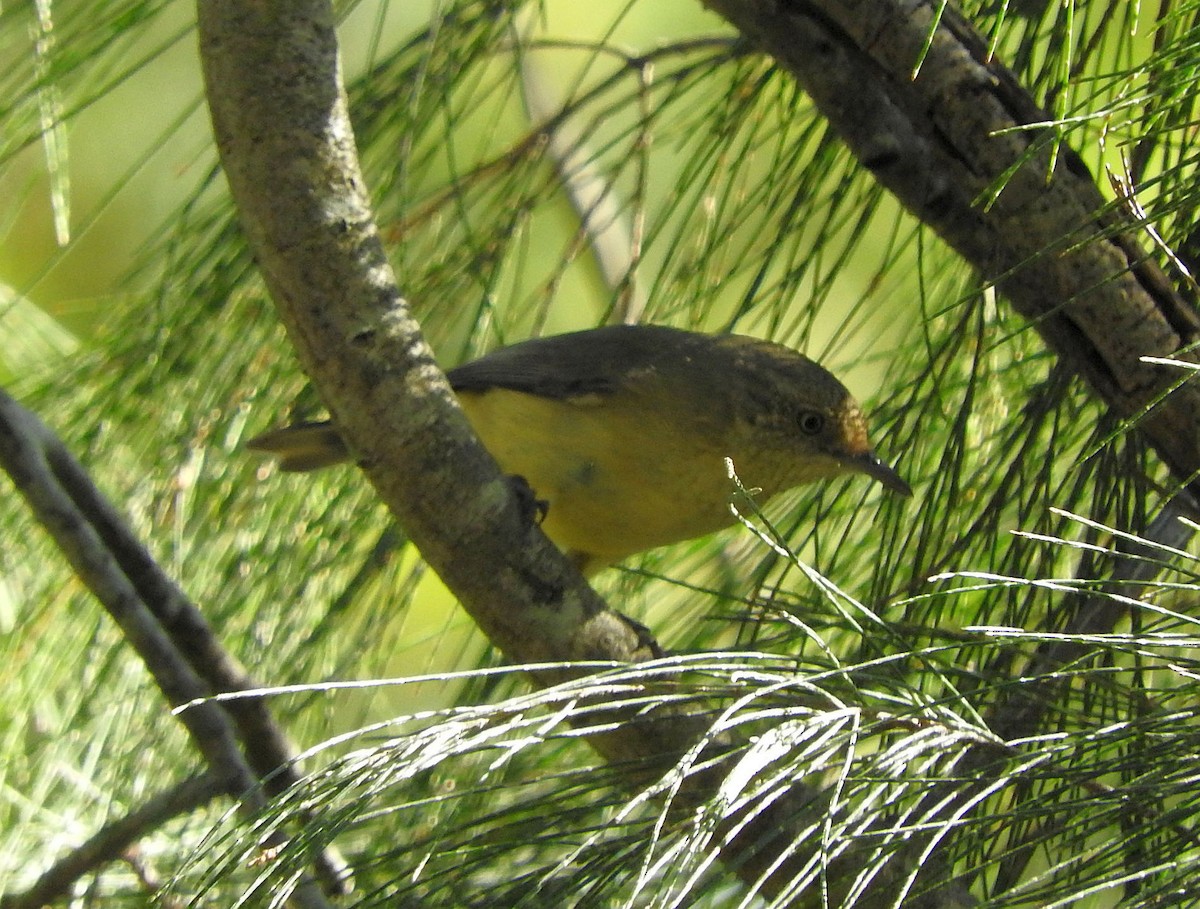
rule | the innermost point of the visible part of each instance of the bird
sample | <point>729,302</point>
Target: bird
<point>625,433</point>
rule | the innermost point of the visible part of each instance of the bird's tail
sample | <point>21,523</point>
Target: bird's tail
<point>302,447</point>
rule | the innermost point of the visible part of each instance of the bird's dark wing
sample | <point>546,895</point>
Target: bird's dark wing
<point>595,362</point>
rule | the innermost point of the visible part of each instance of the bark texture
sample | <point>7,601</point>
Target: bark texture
<point>280,118</point>
<point>909,86</point>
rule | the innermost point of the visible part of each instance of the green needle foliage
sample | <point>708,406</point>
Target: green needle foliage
<point>1002,671</point>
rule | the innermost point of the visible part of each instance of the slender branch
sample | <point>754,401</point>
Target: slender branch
<point>163,626</point>
<point>604,217</point>
<point>110,842</point>
<point>83,525</point>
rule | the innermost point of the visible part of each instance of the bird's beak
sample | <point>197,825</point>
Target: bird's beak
<point>868,462</point>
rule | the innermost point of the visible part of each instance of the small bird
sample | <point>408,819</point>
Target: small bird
<point>623,432</point>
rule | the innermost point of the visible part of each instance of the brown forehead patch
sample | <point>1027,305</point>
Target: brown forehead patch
<point>853,429</point>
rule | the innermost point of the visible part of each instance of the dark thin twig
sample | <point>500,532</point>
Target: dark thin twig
<point>163,626</point>
<point>111,841</point>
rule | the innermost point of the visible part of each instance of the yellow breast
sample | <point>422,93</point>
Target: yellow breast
<point>617,478</point>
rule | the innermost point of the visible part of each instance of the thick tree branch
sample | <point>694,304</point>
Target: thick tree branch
<point>910,88</point>
<point>279,113</point>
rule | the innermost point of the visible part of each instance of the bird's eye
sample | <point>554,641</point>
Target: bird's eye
<point>810,422</point>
